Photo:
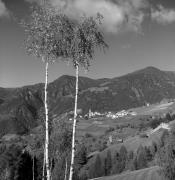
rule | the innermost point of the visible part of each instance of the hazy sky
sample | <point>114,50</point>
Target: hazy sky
<point>139,33</point>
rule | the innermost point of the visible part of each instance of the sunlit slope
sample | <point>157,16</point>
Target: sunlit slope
<point>152,173</point>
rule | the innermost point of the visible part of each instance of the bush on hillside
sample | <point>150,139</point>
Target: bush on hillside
<point>108,163</point>
<point>141,158</point>
<point>167,157</point>
<point>119,161</point>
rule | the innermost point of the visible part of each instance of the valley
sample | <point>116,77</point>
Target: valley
<point>131,112</point>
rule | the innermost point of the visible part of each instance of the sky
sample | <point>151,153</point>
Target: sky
<point>139,33</point>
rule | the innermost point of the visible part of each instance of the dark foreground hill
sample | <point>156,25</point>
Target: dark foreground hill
<point>19,106</point>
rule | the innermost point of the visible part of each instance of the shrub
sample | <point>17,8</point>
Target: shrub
<point>166,158</point>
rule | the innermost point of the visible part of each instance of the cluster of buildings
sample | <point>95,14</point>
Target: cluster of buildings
<point>111,114</point>
<point>94,114</point>
<point>120,114</point>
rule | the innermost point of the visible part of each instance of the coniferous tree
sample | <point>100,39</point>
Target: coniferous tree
<point>130,155</point>
<point>108,163</point>
<point>97,169</point>
<point>116,164</point>
<point>141,158</point>
<point>123,157</point>
<point>149,155</point>
<point>119,161</point>
<point>168,117</point>
<point>164,137</point>
<point>130,161</point>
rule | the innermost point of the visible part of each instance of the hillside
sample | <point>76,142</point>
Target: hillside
<point>151,173</point>
<point>19,106</point>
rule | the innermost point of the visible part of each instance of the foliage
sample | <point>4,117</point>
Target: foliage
<point>93,143</point>
<point>116,164</point>
<point>60,137</point>
<point>86,36</point>
<point>45,33</point>
<point>149,155</point>
<point>97,169</point>
<point>81,155</point>
<point>167,157</point>
<point>119,161</point>
<point>47,38</point>
<point>164,137</point>
<point>130,164</point>
<point>141,158</point>
<point>155,122</point>
<point>109,130</point>
<point>123,157</point>
<point>60,146</point>
<point>9,160</point>
<point>24,168</point>
<point>168,117</point>
<point>108,163</point>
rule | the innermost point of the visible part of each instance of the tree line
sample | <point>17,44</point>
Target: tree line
<point>113,162</point>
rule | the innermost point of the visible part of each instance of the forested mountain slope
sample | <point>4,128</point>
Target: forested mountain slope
<point>19,106</point>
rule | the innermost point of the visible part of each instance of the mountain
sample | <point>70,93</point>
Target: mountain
<point>19,106</point>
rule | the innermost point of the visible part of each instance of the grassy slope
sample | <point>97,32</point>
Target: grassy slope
<point>155,109</point>
<point>132,144</point>
<point>151,173</point>
<point>98,126</point>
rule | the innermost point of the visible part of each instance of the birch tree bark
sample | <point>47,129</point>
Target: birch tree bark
<point>46,123</point>
<point>43,165</point>
<point>33,167</point>
<point>74,124</point>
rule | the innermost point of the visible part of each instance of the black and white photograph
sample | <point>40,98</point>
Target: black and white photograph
<point>87,89</point>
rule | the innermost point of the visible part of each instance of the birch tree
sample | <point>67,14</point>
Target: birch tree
<point>45,40</point>
<point>86,37</point>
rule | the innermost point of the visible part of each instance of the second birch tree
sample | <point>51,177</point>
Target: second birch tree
<point>86,37</point>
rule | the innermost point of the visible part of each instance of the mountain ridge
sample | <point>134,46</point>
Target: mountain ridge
<point>21,105</point>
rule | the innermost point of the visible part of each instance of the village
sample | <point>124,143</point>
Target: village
<point>110,114</point>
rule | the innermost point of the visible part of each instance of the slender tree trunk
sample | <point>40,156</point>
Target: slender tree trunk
<point>43,165</point>
<point>51,164</point>
<point>33,169</point>
<point>74,125</point>
<point>65,175</point>
<point>47,125</point>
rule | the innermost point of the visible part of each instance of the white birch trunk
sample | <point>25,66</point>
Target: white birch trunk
<point>46,124</point>
<point>33,169</point>
<point>74,125</point>
<point>43,165</point>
